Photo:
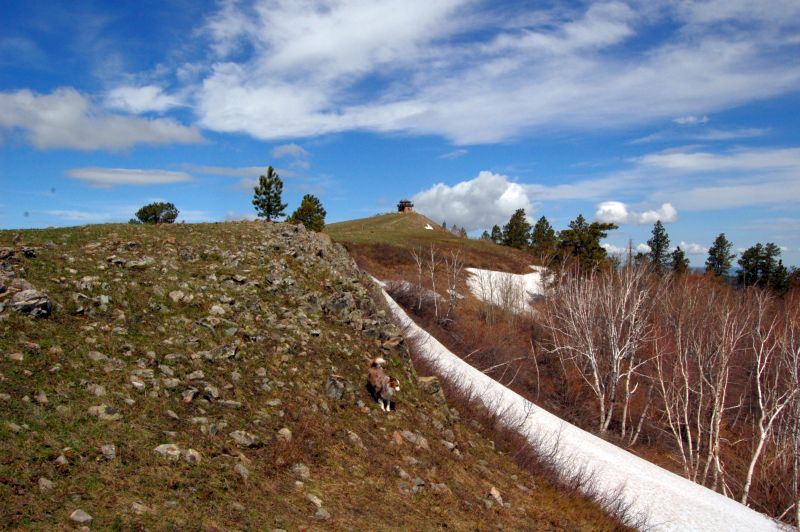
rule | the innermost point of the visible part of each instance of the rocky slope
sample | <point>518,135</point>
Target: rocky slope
<point>211,377</point>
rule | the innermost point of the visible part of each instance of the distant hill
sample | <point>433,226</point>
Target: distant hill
<point>383,243</point>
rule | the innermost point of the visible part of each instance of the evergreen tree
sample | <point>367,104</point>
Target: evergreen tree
<point>680,264</point>
<point>310,213</point>
<point>543,238</point>
<point>497,234</point>
<point>486,236</point>
<point>760,265</point>
<point>659,248</point>
<point>720,256</point>
<point>582,241</point>
<point>267,196</point>
<point>444,225</point>
<point>517,231</point>
<point>156,213</point>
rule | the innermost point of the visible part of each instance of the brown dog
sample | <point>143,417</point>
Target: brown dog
<point>380,385</point>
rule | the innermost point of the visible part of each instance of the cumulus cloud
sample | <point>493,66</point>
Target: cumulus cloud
<point>618,213</point>
<point>693,249</point>
<point>126,176</point>
<point>611,249</point>
<point>67,119</point>
<point>141,99</point>
<point>478,203</point>
<point>235,216</point>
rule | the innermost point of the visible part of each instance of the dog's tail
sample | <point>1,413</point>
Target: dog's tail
<point>377,362</point>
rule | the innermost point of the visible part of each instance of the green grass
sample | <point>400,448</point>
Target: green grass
<point>386,239</point>
<point>142,328</point>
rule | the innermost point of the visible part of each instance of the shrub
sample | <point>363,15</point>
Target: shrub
<point>156,213</point>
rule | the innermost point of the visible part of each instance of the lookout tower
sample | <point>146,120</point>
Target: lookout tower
<point>405,206</point>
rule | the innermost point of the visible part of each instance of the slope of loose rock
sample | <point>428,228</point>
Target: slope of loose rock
<point>211,377</point>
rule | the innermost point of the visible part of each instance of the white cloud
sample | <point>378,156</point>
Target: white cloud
<point>67,119</point>
<point>141,99</point>
<point>296,154</point>
<point>611,249</point>
<point>704,135</point>
<point>691,120</point>
<point>479,203</point>
<point>244,171</point>
<point>234,216</point>
<point>618,213</point>
<point>693,249</point>
<point>643,248</point>
<point>126,176</point>
<point>295,69</point>
<point>74,215</point>
<point>455,154</point>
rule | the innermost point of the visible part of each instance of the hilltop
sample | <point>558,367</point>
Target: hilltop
<point>383,244</point>
<point>211,377</point>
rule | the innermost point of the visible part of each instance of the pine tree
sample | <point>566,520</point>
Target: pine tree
<point>659,248</point>
<point>310,213</point>
<point>444,225</point>
<point>497,234</point>
<point>582,241</point>
<point>486,236</point>
<point>156,213</point>
<point>267,196</point>
<point>760,265</point>
<point>543,238</point>
<point>516,232</point>
<point>680,264</point>
<point>720,256</point>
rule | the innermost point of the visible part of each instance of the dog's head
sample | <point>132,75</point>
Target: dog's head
<point>378,362</point>
<point>394,384</point>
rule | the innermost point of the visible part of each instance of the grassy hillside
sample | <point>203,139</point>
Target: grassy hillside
<point>383,243</point>
<point>211,377</point>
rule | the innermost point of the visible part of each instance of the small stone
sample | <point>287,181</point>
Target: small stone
<point>169,451</point>
<point>322,514</point>
<point>301,471</point>
<point>237,506</point>
<point>313,499</point>
<point>495,494</point>
<point>211,392</point>
<point>104,412</point>
<point>62,460</point>
<point>80,517</point>
<point>15,357</point>
<point>191,456</point>
<point>195,375</point>
<point>32,303</point>
<point>244,438</point>
<point>13,427</point>
<point>242,470</point>
<point>96,356</point>
<point>172,415</point>
<point>41,398</point>
<point>96,389</point>
<point>109,451</point>
<point>285,435</point>
<point>217,310</point>
<point>45,485</point>
<point>140,509</point>
<point>189,395</point>
<point>176,296</point>
<point>441,488</point>
<point>5,397</point>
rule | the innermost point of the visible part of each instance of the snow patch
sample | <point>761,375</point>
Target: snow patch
<point>428,227</point>
<point>513,291</point>
<point>670,502</point>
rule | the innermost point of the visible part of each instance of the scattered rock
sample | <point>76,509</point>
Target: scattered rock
<point>109,451</point>
<point>335,387</point>
<point>191,456</point>
<point>242,470</point>
<point>416,439</point>
<point>169,451</point>
<point>322,514</point>
<point>313,499</point>
<point>104,412</point>
<point>80,517</point>
<point>32,303</point>
<point>494,493</point>
<point>141,509</point>
<point>45,485</point>
<point>285,435</point>
<point>301,471</point>
<point>244,438</point>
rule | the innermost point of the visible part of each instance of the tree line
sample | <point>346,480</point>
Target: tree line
<point>266,200</point>
<point>580,244</point>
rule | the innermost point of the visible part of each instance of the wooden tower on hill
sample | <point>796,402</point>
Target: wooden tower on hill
<point>405,206</point>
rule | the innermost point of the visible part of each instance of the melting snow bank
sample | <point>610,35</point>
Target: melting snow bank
<point>507,290</point>
<point>667,501</point>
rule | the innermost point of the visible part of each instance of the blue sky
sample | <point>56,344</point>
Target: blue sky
<point>683,111</point>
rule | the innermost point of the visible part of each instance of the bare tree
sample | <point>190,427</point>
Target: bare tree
<point>416,254</point>
<point>454,266</point>
<point>433,262</point>
<point>599,323</point>
<point>772,379</point>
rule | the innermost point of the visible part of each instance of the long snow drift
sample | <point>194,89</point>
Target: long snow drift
<point>666,500</point>
<point>511,291</point>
